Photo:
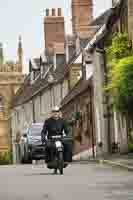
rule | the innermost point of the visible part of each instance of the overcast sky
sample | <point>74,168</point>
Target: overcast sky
<point>25,18</point>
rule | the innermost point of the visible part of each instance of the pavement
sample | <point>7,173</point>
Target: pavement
<point>122,161</point>
<point>116,160</point>
<point>91,181</point>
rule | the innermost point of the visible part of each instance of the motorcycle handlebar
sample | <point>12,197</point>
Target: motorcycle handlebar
<point>63,138</point>
<point>56,137</point>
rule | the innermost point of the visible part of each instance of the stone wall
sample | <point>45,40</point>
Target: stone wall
<point>83,129</point>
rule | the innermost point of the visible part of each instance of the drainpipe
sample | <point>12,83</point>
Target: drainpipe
<point>33,112</point>
<point>92,121</point>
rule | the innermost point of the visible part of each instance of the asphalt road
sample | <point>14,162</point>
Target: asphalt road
<point>79,182</point>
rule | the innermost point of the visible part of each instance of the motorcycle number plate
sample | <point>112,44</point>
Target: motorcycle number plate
<point>58,144</point>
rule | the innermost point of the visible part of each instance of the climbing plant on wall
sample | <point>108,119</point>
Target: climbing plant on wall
<point>120,47</point>
<point>120,84</point>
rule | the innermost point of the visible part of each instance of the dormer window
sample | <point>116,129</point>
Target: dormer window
<point>43,64</point>
<point>78,47</point>
<point>32,77</point>
<point>50,78</point>
<point>34,69</point>
<point>42,71</point>
<point>87,66</point>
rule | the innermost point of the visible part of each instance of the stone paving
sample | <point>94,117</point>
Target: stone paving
<point>80,182</point>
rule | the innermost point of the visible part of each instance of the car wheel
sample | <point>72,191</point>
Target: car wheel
<point>24,159</point>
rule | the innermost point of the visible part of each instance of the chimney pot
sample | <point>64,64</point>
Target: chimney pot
<point>59,12</point>
<point>53,12</point>
<point>47,12</point>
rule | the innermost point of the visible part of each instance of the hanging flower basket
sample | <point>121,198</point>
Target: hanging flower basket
<point>77,115</point>
<point>78,138</point>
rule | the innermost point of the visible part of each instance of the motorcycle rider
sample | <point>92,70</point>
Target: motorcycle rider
<point>53,126</point>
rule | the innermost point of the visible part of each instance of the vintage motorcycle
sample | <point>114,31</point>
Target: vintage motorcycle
<point>58,162</point>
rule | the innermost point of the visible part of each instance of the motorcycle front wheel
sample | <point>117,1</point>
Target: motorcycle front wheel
<point>60,162</point>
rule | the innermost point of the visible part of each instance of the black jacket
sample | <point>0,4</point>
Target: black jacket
<point>54,127</point>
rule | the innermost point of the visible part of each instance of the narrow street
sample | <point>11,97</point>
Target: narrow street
<point>79,182</point>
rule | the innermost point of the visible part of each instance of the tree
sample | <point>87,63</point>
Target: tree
<point>119,48</point>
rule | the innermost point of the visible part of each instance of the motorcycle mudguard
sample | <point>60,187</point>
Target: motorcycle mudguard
<point>58,144</point>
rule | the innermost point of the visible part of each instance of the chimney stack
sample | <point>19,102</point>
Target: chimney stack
<point>82,14</point>
<point>54,31</point>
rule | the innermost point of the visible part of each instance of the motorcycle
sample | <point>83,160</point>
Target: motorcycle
<point>57,162</point>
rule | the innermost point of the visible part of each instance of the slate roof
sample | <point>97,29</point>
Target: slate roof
<point>83,42</point>
<point>79,88</point>
<point>28,90</point>
<point>106,28</point>
<point>26,93</point>
<point>102,19</point>
<point>110,13</point>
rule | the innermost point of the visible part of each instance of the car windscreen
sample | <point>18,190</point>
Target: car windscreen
<point>35,130</point>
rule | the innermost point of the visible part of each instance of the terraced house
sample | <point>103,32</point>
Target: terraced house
<point>54,73</point>
<point>98,129</point>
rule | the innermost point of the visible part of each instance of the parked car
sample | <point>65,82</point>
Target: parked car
<point>31,145</point>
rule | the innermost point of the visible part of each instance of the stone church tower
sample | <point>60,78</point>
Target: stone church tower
<point>82,15</point>
<point>11,78</point>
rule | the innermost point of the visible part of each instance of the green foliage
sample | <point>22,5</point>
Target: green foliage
<point>130,147</point>
<point>6,158</point>
<point>121,85</point>
<point>120,47</point>
<point>130,137</point>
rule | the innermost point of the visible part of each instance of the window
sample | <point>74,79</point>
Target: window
<point>18,120</point>
<point>1,104</point>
